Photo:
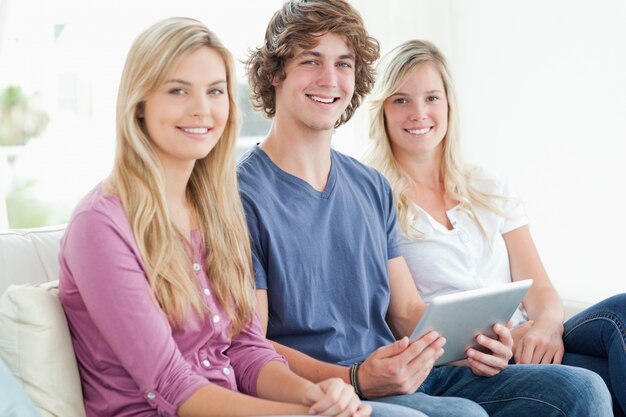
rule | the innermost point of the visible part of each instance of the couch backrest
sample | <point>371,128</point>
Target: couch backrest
<point>29,256</point>
<point>35,341</point>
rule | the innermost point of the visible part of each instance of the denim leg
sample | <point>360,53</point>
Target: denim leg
<point>530,390</point>
<point>437,406</point>
<point>598,365</point>
<point>595,339</point>
<point>381,409</point>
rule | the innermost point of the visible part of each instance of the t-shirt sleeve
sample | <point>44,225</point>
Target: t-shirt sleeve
<point>512,206</point>
<point>254,229</point>
<point>249,352</point>
<point>101,258</point>
<point>391,217</point>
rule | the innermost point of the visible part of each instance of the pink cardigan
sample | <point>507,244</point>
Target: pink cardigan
<point>131,361</point>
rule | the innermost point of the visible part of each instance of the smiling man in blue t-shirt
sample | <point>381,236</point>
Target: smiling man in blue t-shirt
<point>336,297</point>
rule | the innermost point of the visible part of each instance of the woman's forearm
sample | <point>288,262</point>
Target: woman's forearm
<point>213,400</point>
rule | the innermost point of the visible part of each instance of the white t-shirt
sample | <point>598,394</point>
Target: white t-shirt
<point>447,261</point>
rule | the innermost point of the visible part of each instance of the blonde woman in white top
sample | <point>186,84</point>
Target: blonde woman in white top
<point>464,229</point>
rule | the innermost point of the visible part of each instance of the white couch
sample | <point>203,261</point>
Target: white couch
<point>34,337</point>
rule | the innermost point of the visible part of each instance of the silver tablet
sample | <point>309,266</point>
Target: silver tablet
<point>461,316</point>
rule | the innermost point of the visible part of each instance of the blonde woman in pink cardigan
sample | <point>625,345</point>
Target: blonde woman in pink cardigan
<point>155,263</point>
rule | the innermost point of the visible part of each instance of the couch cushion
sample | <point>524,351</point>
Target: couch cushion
<point>29,256</point>
<point>35,344</point>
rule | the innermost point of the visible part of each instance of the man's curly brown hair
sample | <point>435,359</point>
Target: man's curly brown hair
<point>298,25</point>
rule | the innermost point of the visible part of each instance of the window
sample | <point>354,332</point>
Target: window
<point>65,59</point>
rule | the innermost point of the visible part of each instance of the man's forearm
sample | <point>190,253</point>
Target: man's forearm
<point>311,368</point>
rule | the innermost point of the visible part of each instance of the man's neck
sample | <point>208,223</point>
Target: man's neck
<point>300,152</point>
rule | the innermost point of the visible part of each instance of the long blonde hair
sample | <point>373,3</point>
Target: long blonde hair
<point>393,70</point>
<point>138,180</point>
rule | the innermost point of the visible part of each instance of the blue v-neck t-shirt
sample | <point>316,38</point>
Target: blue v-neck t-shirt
<point>322,256</point>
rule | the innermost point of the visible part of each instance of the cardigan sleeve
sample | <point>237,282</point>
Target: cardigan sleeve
<point>249,352</point>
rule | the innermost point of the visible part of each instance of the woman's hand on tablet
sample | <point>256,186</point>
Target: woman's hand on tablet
<point>501,351</point>
<point>401,367</point>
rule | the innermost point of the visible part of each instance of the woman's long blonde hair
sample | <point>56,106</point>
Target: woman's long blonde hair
<point>393,70</point>
<point>138,180</point>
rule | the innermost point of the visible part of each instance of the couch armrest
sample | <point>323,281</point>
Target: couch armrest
<point>573,307</point>
<point>29,256</point>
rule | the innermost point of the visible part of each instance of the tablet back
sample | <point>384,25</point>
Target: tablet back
<point>461,316</point>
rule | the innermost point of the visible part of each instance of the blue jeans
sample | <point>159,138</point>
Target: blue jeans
<point>380,409</point>
<point>386,410</point>
<point>519,390</point>
<point>595,339</point>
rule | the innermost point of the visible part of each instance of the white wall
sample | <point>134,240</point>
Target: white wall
<point>4,174</point>
<point>543,100</point>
